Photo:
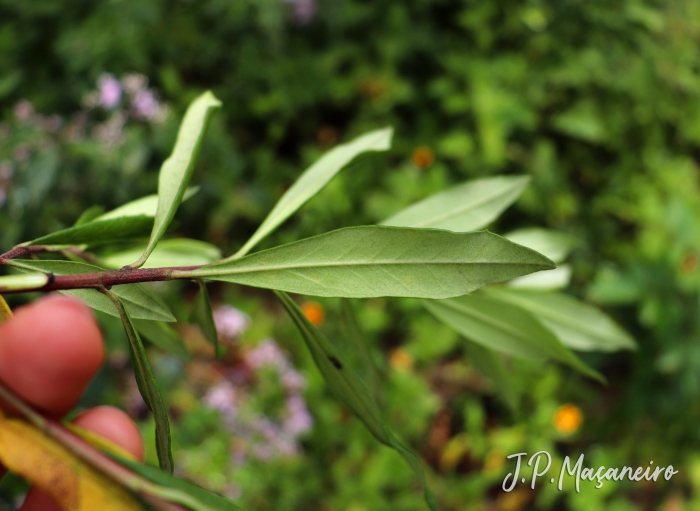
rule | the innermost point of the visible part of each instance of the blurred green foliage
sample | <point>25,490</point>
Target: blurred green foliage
<point>598,101</point>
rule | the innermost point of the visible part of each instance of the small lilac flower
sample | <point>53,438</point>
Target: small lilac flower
<point>299,419</point>
<point>134,82</point>
<point>6,170</point>
<point>24,110</point>
<point>145,105</point>
<point>267,353</point>
<point>221,397</point>
<point>303,10</point>
<point>110,91</point>
<point>292,380</point>
<point>22,152</point>
<point>230,322</point>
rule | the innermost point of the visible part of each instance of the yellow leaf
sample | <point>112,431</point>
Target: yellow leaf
<point>75,486</point>
<point>5,312</point>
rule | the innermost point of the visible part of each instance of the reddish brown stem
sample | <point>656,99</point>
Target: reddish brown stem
<point>105,279</point>
<point>22,252</point>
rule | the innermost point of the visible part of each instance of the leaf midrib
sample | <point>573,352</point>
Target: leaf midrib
<point>557,317</point>
<point>251,269</point>
<point>473,205</point>
<point>500,326</point>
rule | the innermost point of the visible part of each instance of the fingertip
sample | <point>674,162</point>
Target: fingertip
<point>49,352</point>
<point>114,425</point>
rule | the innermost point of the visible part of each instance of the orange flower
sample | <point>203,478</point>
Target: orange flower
<point>314,312</point>
<point>423,157</point>
<point>689,263</point>
<point>567,419</point>
<point>401,360</point>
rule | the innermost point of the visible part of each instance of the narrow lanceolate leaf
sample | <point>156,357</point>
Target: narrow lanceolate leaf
<point>558,278</point>
<point>29,281</point>
<point>372,261</point>
<point>553,244</point>
<point>177,169</point>
<point>139,303</point>
<point>350,389</point>
<point>147,386</point>
<point>314,179</point>
<point>147,205</point>
<point>163,336</point>
<point>466,207</point>
<point>203,316</point>
<point>505,328</point>
<point>578,326</point>
<point>128,222</point>
<point>489,363</point>
<point>358,344</point>
<point>89,215</point>
<point>99,231</point>
<point>182,491</point>
<point>174,252</point>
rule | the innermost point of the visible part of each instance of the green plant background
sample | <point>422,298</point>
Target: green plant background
<point>597,101</point>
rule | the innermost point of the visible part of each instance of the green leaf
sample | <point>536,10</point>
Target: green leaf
<point>358,344</point>
<point>89,215</point>
<point>168,253</point>
<point>203,316</point>
<point>163,336</point>
<point>371,261</point>
<point>505,328</point>
<point>490,364</point>
<point>314,179</point>
<point>557,278</point>
<point>147,205</point>
<point>553,244</point>
<point>177,169</point>
<point>186,493</point>
<point>466,207</point>
<point>28,281</point>
<point>350,389</point>
<point>147,386</point>
<point>99,231</point>
<point>138,302</point>
<point>579,326</point>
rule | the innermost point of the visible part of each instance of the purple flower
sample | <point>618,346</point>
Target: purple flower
<point>24,110</point>
<point>298,418</point>
<point>221,397</point>
<point>110,91</point>
<point>230,322</point>
<point>134,82</point>
<point>267,353</point>
<point>144,105</point>
<point>303,10</point>
<point>292,380</point>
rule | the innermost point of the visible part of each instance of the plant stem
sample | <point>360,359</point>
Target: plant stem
<point>20,251</point>
<point>101,279</point>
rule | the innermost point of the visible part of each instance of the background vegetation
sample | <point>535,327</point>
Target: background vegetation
<point>597,101</point>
